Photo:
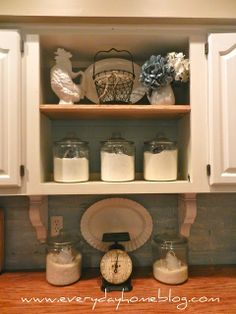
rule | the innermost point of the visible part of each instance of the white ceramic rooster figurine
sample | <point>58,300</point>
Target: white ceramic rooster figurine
<point>61,79</point>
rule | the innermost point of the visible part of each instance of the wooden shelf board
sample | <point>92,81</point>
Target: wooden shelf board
<point>82,111</point>
<point>129,187</point>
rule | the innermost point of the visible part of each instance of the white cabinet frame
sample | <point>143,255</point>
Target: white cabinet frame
<point>192,142</point>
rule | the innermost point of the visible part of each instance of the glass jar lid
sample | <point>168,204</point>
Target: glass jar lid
<point>116,139</point>
<point>71,139</point>
<point>160,143</point>
<point>170,240</point>
<point>160,139</point>
<point>63,239</point>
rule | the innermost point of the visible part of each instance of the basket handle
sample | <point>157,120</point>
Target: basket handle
<point>116,50</point>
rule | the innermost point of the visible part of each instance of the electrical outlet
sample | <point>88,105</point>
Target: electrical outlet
<point>56,224</point>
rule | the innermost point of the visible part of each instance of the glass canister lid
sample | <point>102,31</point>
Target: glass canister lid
<point>71,139</point>
<point>64,238</point>
<point>170,240</point>
<point>118,145</point>
<point>70,147</point>
<point>116,139</point>
<point>160,143</point>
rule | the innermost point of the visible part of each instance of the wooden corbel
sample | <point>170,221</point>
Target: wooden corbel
<point>38,213</point>
<point>187,212</point>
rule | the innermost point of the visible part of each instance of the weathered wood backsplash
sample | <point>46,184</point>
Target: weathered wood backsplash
<point>212,239</point>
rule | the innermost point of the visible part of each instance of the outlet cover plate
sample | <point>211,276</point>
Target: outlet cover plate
<point>56,224</point>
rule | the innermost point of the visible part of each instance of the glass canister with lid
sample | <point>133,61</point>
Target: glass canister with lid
<point>71,160</point>
<point>63,261</point>
<point>160,159</point>
<point>170,254</point>
<point>117,159</point>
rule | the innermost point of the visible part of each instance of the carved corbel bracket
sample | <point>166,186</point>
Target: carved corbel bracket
<point>38,213</point>
<point>187,212</point>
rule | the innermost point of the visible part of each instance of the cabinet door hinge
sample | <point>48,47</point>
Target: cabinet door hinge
<point>22,46</point>
<point>208,169</point>
<point>206,48</point>
<point>22,170</point>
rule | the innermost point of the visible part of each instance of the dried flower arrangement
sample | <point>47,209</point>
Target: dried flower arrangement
<point>160,71</point>
<point>156,72</point>
<point>180,64</point>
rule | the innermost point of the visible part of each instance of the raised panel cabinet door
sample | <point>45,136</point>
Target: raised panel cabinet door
<point>10,58</point>
<point>222,108</point>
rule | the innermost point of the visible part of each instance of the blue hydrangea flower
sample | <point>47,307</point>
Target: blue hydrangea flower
<point>156,72</point>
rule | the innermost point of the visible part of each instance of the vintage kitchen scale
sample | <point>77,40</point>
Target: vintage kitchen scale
<point>116,226</point>
<point>116,265</point>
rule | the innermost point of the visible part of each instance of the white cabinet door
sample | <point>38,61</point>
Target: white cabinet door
<point>222,108</point>
<point>10,57</point>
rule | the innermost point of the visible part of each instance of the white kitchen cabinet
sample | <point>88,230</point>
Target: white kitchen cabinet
<point>222,108</point>
<point>10,98</point>
<point>46,121</point>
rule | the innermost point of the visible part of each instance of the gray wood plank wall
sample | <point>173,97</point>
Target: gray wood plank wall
<point>212,239</point>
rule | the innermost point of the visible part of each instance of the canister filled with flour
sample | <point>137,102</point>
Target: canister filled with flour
<point>71,160</point>
<point>160,159</point>
<point>63,261</point>
<point>117,159</point>
<point>170,256</point>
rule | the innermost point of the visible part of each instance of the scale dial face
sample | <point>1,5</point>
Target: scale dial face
<point>116,266</point>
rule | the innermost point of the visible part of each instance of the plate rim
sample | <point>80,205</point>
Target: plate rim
<point>131,245</point>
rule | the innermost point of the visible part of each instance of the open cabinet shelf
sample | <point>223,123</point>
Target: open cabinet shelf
<point>95,123</point>
<point>97,130</point>
<point>97,111</point>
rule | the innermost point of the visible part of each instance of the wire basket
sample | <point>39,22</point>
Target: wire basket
<point>115,85</point>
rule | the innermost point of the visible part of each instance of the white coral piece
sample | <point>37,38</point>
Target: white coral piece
<point>61,79</point>
<point>180,64</point>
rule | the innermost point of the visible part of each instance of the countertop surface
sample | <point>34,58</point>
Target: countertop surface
<point>210,289</point>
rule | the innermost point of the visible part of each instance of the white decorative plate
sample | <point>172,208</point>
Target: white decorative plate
<point>116,215</point>
<point>118,64</point>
